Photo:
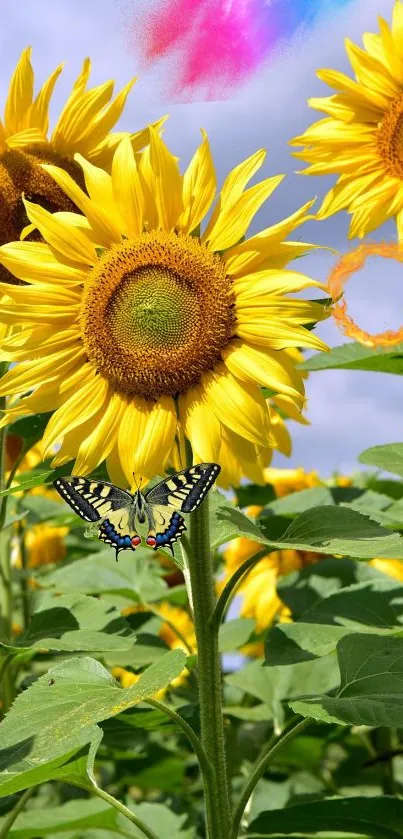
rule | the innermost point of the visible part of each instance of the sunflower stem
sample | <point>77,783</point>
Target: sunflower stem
<point>209,671</point>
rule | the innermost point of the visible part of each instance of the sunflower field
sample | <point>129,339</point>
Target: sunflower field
<point>194,642</point>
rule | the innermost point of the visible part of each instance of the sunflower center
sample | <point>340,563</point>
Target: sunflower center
<point>157,310</point>
<point>390,139</point>
<point>20,172</point>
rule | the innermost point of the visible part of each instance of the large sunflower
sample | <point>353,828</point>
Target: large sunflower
<point>135,328</point>
<point>83,126</point>
<point>361,139</point>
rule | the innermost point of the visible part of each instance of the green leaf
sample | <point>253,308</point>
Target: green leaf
<point>355,356</point>
<point>75,623</point>
<point>94,813</point>
<point>59,712</point>
<point>381,818</point>
<point>235,633</point>
<point>228,522</point>
<point>134,576</point>
<point>371,688</point>
<point>30,428</point>
<point>22,765</point>
<point>303,589</point>
<point>340,530</point>
<point>273,685</point>
<point>298,502</point>
<point>388,457</point>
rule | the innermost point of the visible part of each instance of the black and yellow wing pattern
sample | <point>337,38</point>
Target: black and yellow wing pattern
<point>116,510</point>
<point>183,492</point>
<point>96,500</point>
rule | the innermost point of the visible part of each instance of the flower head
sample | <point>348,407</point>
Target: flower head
<point>138,329</point>
<point>360,139</point>
<point>84,125</point>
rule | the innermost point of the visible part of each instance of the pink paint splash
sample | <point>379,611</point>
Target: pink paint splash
<point>213,46</point>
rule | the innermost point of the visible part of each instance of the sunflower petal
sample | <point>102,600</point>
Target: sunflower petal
<point>28,374</point>
<point>234,186</point>
<point>278,334</point>
<point>76,410</point>
<point>20,95</point>
<point>69,240</point>
<point>167,182</point>
<point>127,192</point>
<point>35,262</point>
<point>233,223</point>
<point>100,219</point>
<point>200,424</point>
<point>146,436</point>
<point>98,445</point>
<point>272,369</point>
<point>199,187</point>
<point>238,405</point>
<point>39,113</point>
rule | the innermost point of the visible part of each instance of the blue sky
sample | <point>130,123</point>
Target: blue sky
<point>348,410</point>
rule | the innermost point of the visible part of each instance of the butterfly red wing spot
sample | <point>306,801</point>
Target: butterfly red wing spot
<point>151,541</point>
<point>136,541</point>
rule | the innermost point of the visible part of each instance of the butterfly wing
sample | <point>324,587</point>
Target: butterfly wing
<point>98,500</point>
<point>165,526</point>
<point>185,490</point>
<point>182,491</point>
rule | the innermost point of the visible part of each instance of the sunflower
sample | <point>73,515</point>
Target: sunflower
<point>83,126</point>
<point>136,328</point>
<point>360,139</point>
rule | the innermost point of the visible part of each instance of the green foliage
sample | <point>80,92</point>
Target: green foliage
<point>353,356</point>
<point>378,817</point>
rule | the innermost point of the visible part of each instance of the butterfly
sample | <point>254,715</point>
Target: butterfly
<point>117,510</point>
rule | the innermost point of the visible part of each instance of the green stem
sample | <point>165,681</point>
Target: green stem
<point>259,770</point>
<point>209,671</point>
<point>12,815</point>
<point>25,593</point>
<point>204,763</point>
<point>229,590</point>
<point>383,741</point>
<point>114,802</point>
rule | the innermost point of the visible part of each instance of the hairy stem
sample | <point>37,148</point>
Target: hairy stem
<point>259,769</point>
<point>12,815</point>
<point>5,564</point>
<point>114,802</point>
<point>204,763</point>
<point>209,672</point>
<point>231,586</point>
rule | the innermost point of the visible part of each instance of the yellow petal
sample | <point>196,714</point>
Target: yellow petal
<point>200,424</point>
<point>287,406</point>
<point>370,72</point>
<point>35,262</point>
<point>76,410</point>
<point>77,117</point>
<point>102,124</point>
<point>245,454</point>
<point>98,445</point>
<point>146,177</point>
<point>20,95</point>
<point>233,223</point>
<point>266,283</point>
<point>115,470</point>
<point>33,295</point>
<point>27,374</point>
<point>274,370</point>
<point>26,137</point>
<point>357,92</point>
<point>280,434</point>
<point>68,240</point>
<point>294,311</point>
<point>397,26</point>
<point>99,213</point>
<point>167,182</point>
<point>39,113</point>
<point>234,186</point>
<point>238,405</point>
<point>248,255</point>
<point>278,334</point>
<point>103,152</point>
<point>146,436</point>
<point>199,187</point>
<point>127,192</point>
<point>38,314</point>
